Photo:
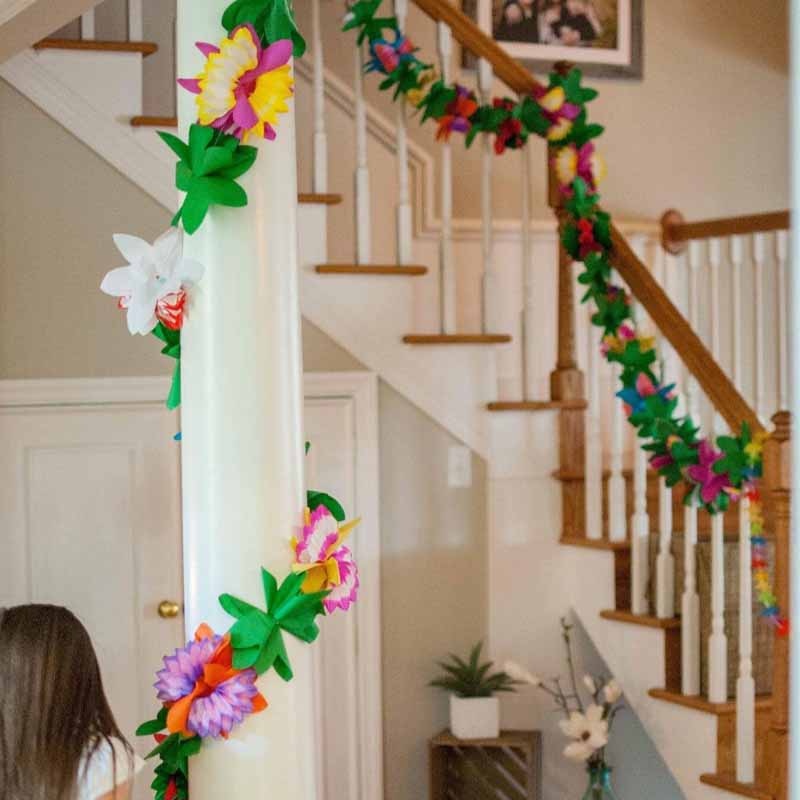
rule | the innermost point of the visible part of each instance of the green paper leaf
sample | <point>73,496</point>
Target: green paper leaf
<point>270,586</point>
<point>234,606</point>
<point>175,144</point>
<point>154,725</point>
<point>174,396</point>
<point>251,630</point>
<point>224,192</point>
<point>246,657</point>
<point>316,499</point>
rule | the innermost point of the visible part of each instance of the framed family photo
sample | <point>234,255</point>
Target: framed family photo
<point>603,37</point>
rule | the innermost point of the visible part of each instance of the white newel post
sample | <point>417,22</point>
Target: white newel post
<point>242,429</point>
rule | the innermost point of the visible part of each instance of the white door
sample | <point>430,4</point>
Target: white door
<point>90,519</point>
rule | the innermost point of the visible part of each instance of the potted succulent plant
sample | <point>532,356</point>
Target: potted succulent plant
<point>474,709</point>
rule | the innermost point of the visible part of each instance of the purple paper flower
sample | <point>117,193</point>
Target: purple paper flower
<point>702,473</point>
<point>205,695</point>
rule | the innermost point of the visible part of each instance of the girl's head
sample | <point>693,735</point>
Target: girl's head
<point>53,710</point>
<point>512,13</point>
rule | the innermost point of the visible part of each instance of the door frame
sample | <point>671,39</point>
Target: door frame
<point>362,389</point>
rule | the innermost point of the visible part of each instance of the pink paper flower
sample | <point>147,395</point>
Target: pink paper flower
<point>711,483</point>
<point>328,565</point>
<point>243,87</point>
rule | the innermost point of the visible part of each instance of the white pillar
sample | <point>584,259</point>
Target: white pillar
<point>243,439</point>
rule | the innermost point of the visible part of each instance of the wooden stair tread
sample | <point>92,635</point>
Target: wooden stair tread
<point>645,620</point>
<point>320,198</point>
<point>371,269</point>
<point>594,544</point>
<point>456,338</point>
<point>700,703</point>
<point>145,121</point>
<point>730,784</point>
<point>97,45</point>
<point>536,405</point>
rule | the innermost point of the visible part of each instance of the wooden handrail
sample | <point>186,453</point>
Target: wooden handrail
<point>712,379</point>
<point>675,231</point>
<point>469,35</point>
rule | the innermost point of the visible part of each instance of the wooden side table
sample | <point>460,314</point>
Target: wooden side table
<point>506,768</point>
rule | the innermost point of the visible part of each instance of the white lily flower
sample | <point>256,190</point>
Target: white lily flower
<point>156,274</point>
<point>589,732</point>
<point>612,691</point>
<point>517,672</point>
<point>588,681</point>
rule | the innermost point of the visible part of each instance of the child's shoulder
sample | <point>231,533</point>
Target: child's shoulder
<point>108,764</point>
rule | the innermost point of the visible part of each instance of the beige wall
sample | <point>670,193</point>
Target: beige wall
<point>57,213</point>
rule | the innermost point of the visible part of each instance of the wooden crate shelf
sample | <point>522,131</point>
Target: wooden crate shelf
<point>506,768</point>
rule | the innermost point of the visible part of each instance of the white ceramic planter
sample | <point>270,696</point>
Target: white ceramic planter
<point>475,717</point>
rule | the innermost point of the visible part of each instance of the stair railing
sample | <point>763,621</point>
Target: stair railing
<point>581,429</point>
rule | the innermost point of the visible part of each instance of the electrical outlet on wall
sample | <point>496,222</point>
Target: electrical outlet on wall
<point>459,467</point>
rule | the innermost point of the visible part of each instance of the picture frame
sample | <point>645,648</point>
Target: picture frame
<point>604,38</point>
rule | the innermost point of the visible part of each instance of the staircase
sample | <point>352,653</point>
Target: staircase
<point>457,316</point>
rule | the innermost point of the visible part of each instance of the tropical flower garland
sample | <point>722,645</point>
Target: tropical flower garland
<point>208,687</point>
<point>714,473</point>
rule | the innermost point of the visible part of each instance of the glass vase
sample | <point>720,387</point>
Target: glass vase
<point>599,783</point>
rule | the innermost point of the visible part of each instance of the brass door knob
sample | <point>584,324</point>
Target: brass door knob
<point>167,609</point>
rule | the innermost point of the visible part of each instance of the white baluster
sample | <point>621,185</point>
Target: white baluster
<point>446,274</point>
<point>718,641</point>
<point>690,601</point>
<point>403,211</point>
<point>665,561</point>
<point>714,261</point>
<point>320,177</point>
<point>745,685</point>
<point>527,318</point>
<point>690,607</point>
<point>640,521</point>
<point>781,255</point>
<point>489,285</point>
<point>758,299</point>
<point>617,523</point>
<point>737,259</point>
<point>363,218</point>
<point>135,21</point>
<point>594,434</point>
<point>87,24</point>
<point>640,534</point>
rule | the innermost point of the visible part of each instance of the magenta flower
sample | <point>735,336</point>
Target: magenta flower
<point>702,473</point>
<point>661,461</point>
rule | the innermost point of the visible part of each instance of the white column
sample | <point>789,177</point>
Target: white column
<point>87,24</point>
<point>135,21</point>
<point>447,278</point>
<point>781,256</point>
<point>242,463</point>
<point>363,217</point>
<point>617,522</point>
<point>320,177</point>
<point>758,301</point>
<point>718,641</point>
<point>745,685</point>
<point>489,286</point>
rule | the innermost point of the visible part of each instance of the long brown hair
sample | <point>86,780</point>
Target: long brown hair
<point>53,710</point>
